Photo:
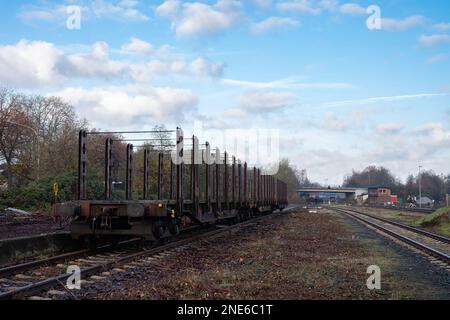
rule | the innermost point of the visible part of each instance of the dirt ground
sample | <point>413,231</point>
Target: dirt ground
<point>290,256</point>
<point>19,226</point>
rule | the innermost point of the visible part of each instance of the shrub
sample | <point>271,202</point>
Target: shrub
<point>434,218</point>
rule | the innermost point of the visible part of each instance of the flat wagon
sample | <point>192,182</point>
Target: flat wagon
<point>197,186</point>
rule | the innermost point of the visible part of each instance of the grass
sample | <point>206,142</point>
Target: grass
<point>438,221</point>
<point>434,218</point>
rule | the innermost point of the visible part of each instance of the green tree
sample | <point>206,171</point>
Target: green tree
<point>290,175</point>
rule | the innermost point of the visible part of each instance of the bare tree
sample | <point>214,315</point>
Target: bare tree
<point>57,125</point>
<point>38,136</point>
<point>15,132</point>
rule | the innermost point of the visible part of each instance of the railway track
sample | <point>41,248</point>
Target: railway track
<point>432,244</point>
<point>9,270</point>
<point>405,226</point>
<point>40,278</point>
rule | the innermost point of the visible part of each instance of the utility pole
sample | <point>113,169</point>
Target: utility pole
<point>420,188</point>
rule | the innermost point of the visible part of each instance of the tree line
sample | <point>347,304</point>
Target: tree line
<point>433,185</point>
<point>36,136</point>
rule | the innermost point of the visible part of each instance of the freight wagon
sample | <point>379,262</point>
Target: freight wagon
<point>196,186</point>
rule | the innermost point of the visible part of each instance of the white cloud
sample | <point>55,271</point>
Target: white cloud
<point>329,5</point>
<point>433,40</point>
<point>235,112</point>
<point>273,23</point>
<point>389,128</point>
<point>389,24</point>
<point>263,4</point>
<point>352,9</point>
<point>303,6</point>
<point>391,145</point>
<point>130,105</point>
<point>39,63</point>
<point>94,64</point>
<point>287,83</point>
<point>51,14</point>
<point>335,123</point>
<point>128,3</point>
<point>265,101</point>
<point>444,26</point>
<point>314,7</point>
<point>33,14</point>
<point>199,67</point>
<point>201,19</point>
<point>383,99</point>
<point>126,10</point>
<point>434,134</point>
<point>30,64</point>
<point>320,163</point>
<point>137,46</point>
<point>204,67</point>
<point>437,58</point>
<point>168,9</point>
<point>260,102</point>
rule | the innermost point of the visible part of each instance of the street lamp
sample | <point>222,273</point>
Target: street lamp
<point>37,144</point>
<point>420,188</point>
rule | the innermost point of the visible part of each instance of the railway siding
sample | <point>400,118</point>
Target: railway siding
<point>437,222</point>
<point>19,281</point>
<point>296,256</point>
<point>432,244</point>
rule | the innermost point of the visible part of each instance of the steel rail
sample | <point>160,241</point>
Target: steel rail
<point>57,280</point>
<point>423,247</point>
<point>405,226</point>
<point>12,269</point>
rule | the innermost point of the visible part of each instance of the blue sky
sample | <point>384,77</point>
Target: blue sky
<point>343,96</point>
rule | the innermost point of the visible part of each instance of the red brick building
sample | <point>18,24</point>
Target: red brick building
<point>380,196</point>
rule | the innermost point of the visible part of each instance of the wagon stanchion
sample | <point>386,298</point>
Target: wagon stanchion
<point>82,165</point>
<point>108,169</point>
<point>129,174</point>
<point>207,177</point>
<point>217,182</point>
<point>225,182</point>
<point>160,175</point>
<point>146,190</point>
<point>222,195</point>
<point>179,156</point>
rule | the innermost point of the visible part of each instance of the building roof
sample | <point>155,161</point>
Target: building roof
<point>379,187</point>
<point>331,190</point>
<point>424,199</point>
